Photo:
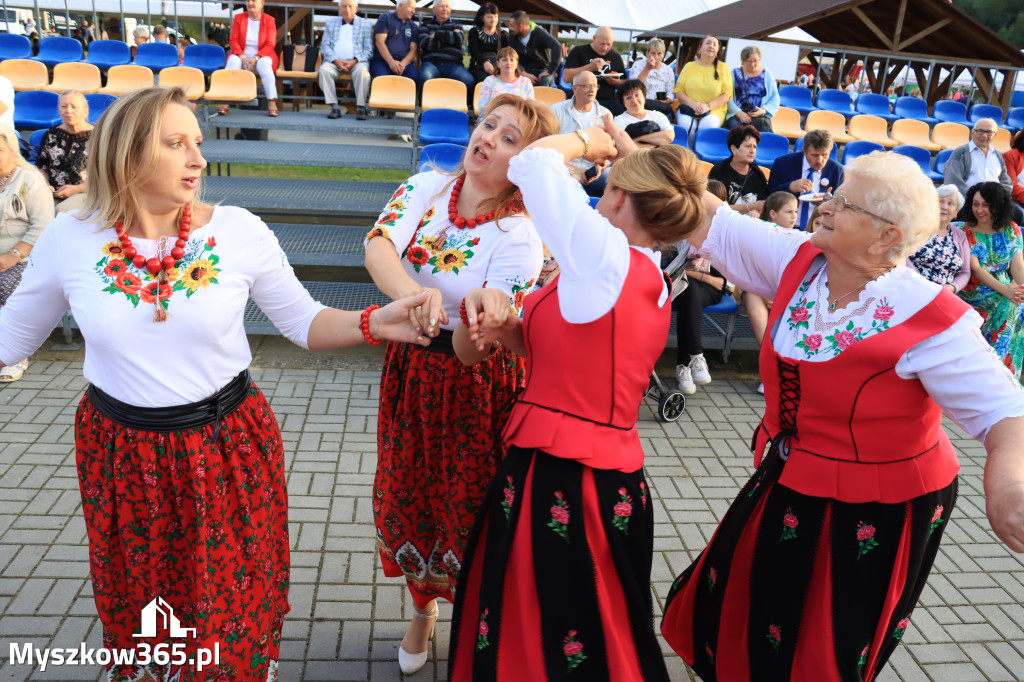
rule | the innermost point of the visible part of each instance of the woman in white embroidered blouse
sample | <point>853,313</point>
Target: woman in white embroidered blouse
<point>823,555</point>
<point>509,79</point>
<point>179,457</point>
<point>438,426</point>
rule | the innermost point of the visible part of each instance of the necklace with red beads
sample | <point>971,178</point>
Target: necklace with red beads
<point>458,221</point>
<point>158,266</point>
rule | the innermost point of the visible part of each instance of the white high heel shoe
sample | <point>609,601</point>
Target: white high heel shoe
<point>410,663</point>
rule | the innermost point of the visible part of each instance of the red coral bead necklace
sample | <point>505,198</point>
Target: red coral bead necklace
<point>155,265</point>
<point>460,222</point>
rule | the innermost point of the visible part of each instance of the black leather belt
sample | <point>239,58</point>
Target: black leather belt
<point>442,343</point>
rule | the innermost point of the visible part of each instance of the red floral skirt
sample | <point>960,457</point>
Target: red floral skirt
<point>438,446</point>
<point>202,525</point>
<point>793,587</point>
<point>557,579</point>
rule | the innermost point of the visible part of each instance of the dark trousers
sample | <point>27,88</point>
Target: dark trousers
<point>688,306</point>
<point>378,67</point>
<point>663,107</point>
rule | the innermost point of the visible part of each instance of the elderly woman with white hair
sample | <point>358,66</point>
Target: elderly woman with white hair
<point>945,258</point>
<point>817,565</point>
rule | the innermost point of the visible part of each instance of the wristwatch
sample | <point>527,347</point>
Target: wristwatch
<point>582,134</point>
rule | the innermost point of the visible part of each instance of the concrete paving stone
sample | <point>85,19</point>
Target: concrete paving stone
<point>987,663</point>
<point>954,672</point>
<point>936,653</point>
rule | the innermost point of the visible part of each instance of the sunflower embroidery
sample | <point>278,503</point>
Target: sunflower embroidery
<point>113,250</point>
<point>450,260</point>
<point>198,275</point>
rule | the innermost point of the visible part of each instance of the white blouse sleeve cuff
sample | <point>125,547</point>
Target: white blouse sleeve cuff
<point>525,164</point>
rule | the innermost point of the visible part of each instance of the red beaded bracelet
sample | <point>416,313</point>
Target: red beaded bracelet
<point>364,326</point>
<point>463,314</point>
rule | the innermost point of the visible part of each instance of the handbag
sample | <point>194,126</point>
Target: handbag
<point>763,124</point>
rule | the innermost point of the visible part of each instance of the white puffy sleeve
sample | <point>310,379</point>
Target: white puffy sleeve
<point>593,254</point>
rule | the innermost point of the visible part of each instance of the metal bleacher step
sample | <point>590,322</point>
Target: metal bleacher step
<point>311,120</point>
<point>325,245</point>
<point>344,295</point>
<point>307,154</point>
<point>341,198</point>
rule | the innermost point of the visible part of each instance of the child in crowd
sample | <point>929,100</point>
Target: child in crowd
<point>718,188</point>
<point>814,222</point>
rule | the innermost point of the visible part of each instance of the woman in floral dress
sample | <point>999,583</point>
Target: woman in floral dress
<point>508,79</point>
<point>179,457</point>
<point>63,153</point>
<point>816,567</point>
<point>438,426</point>
<point>945,258</point>
<point>996,263</point>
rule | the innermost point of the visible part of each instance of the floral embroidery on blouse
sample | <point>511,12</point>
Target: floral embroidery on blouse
<point>391,213</point>
<point>447,253</point>
<point>802,314</point>
<point>520,289</point>
<point>196,270</point>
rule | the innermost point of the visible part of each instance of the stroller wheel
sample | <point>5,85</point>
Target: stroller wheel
<point>671,406</point>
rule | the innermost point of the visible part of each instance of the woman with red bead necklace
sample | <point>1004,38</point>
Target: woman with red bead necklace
<point>179,456</point>
<point>439,421</point>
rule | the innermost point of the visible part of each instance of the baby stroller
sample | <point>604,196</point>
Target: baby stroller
<point>671,401</point>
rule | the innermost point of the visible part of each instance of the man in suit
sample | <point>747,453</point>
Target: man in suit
<point>347,46</point>
<point>540,54</point>
<point>808,170</point>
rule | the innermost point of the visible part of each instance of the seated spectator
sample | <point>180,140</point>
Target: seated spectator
<point>183,42</point>
<point>140,35</point>
<point>704,89</point>
<point>254,48</point>
<point>978,161</point>
<point>540,54</point>
<point>440,48</point>
<point>633,96</point>
<point>945,258</point>
<point>395,38</point>
<point>706,286</point>
<point>657,76</point>
<point>745,183</point>
<point>755,95</point>
<point>814,222</point>
<point>601,59</point>
<point>808,170</point>
<point>509,78</point>
<point>63,151</point>
<point>160,34</point>
<point>579,112</point>
<point>346,46</point>
<point>1013,158</point>
<point>485,39</point>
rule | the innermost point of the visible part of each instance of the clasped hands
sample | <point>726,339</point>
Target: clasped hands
<point>489,315</point>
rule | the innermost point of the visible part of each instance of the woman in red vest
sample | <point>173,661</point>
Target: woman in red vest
<point>254,48</point>
<point>556,578</point>
<point>815,569</point>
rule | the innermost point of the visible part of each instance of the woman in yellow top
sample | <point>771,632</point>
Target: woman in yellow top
<point>703,89</point>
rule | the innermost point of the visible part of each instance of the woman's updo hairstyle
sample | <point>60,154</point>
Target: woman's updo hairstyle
<point>667,187</point>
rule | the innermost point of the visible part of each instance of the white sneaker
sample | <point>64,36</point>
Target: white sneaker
<point>699,370</point>
<point>685,380</point>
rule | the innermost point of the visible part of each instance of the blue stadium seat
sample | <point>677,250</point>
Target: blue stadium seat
<point>156,56</point>
<point>836,100</point>
<point>1018,99</point>
<point>1015,119</point>
<point>859,148</point>
<point>876,105</point>
<point>682,138</point>
<point>206,58</point>
<point>444,125</point>
<point>798,145</point>
<point>771,147</point>
<point>561,84</point>
<point>923,158</point>
<point>940,160</point>
<point>57,50</point>
<point>98,103</point>
<point>36,109</point>
<point>709,144</point>
<point>107,53</point>
<point>593,201</point>
<point>727,306</point>
<point>796,97</point>
<point>443,155</point>
<point>948,110</point>
<point>912,107</point>
<point>986,111</point>
<point>34,141</point>
<point>14,47</point>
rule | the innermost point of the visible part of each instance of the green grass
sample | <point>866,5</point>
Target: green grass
<point>252,170</point>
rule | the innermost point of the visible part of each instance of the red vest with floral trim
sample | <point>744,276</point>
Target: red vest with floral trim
<point>585,381</point>
<point>856,431</point>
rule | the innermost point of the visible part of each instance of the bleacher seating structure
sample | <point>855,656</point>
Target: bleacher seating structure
<point>156,56</point>
<point>55,50</point>
<point>107,53</point>
<point>14,47</point>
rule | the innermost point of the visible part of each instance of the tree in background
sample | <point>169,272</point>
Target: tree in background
<point>1006,17</point>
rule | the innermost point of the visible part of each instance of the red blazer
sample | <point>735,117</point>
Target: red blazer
<point>268,36</point>
<point>1014,165</point>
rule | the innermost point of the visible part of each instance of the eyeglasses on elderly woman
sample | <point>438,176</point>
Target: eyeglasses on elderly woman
<point>840,204</point>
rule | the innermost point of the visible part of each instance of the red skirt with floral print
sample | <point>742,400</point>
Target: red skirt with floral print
<point>202,525</point>
<point>557,580</point>
<point>438,446</point>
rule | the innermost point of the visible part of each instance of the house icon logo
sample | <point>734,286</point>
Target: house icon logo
<point>158,608</point>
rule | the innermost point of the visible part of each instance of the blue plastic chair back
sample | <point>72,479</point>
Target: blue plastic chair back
<point>107,53</point>
<point>798,145</point>
<point>986,111</point>
<point>34,141</point>
<point>771,147</point>
<point>940,160</point>
<point>1018,99</point>
<point>593,201</point>
<point>796,97</point>
<point>561,84</point>
<point>443,156</point>
<point>923,158</point>
<point>682,137</point>
<point>98,103</point>
<point>709,144</point>
<point>36,109</point>
<point>156,56</point>
<point>727,306</point>
<point>206,58</point>
<point>912,107</point>
<point>948,110</point>
<point>859,148</point>
<point>444,125</point>
<point>57,50</point>
<point>1015,118</point>
<point>876,105</point>
<point>14,47</point>
<point>836,100</point>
